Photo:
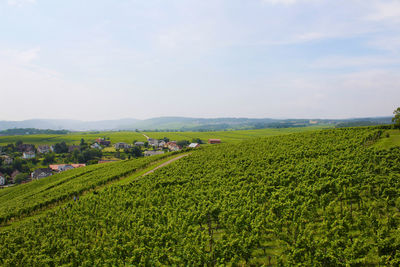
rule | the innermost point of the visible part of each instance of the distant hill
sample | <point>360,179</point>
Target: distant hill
<point>184,124</point>
<point>72,125</point>
<point>28,131</point>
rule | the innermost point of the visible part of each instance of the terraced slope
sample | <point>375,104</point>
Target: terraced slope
<point>314,199</point>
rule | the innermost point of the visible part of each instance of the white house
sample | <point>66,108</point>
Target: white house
<point>121,145</point>
<point>2,179</point>
<point>43,149</point>
<point>7,160</point>
<point>194,145</point>
<point>96,146</point>
<point>41,173</point>
<point>153,142</point>
<point>152,153</point>
<point>28,155</point>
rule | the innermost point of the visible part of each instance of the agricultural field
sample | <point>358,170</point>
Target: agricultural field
<point>391,138</point>
<point>129,137</point>
<point>320,198</point>
<point>230,136</point>
<point>73,138</point>
<point>27,198</point>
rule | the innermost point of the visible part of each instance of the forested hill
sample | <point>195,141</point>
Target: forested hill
<point>30,131</point>
<point>324,198</point>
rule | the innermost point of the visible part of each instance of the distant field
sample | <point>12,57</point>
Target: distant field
<point>230,136</point>
<point>129,137</point>
<point>73,138</point>
<point>392,140</point>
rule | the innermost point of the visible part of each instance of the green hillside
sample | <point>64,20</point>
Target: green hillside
<point>325,198</point>
<point>27,198</point>
<point>129,137</point>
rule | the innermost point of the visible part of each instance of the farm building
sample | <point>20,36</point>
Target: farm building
<point>96,146</point>
<point>121,145</point>
<point>152,153</point>
<point>153,142</point>
<point>193,145</point>
<point>214,141</point>
<point>7,160</point>
<point>26,148</point>
<point>41,173</point>
<point>65,167</point>
<point>139,144</point>
<point>173,146</point>
<point>28,155</point>
<point>43,149</point>
<point>103,142</point>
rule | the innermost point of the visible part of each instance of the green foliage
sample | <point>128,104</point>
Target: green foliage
<point>326,198</point>
<point>61,148</point>
<point>21,177</point>
<point>182,143</point>
<point>26,198</point>
<point>396,118</point>
<point>49,158</point>
<point>18,143</point>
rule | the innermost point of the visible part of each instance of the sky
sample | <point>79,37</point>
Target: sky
<point>107,59</point>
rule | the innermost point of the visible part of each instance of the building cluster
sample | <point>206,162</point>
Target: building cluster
<point>29,151</point>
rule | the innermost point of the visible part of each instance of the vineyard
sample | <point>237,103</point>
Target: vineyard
<point>26,198</point>
<point>130,136</point>
<point>321,198</point>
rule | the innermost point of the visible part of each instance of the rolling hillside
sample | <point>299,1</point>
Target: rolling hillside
<point>322,198</point>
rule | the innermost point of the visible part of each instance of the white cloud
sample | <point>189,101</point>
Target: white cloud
<point>20,57</point>
<point>282,2</point>
<point>385,10</point>
<point>20,3</point>
<point>340,62</point>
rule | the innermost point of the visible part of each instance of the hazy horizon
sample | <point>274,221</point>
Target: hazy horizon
<point>280,59</point>
<point>273,118</point>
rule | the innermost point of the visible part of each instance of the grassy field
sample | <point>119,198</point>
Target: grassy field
<point>229,136</point>
<point>390,138</point>
<point>73,138</point>
<point>129,137</point>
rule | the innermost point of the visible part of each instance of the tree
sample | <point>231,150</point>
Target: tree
<point>396,118</point>
<point>136,152</point>
<point>21,177</point>
<point>197,140</point>
<point>18,143</point>
<point>49,158</point>
<point>61,148</point>
<point>182,143</point>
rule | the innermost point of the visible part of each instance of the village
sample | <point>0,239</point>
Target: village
<point>22,163</point>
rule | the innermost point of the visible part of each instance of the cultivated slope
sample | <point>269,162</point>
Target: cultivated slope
<point>23,199</point>
<point>318,199</point>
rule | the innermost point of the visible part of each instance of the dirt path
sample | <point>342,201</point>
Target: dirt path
<point>166,163</point>
<point>146,136</point>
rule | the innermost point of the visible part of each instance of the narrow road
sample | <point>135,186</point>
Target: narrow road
<point>166,163</point>
<point>146,136</point>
